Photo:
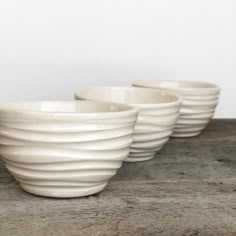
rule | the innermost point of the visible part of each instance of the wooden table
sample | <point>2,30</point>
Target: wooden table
<point>188,189</point>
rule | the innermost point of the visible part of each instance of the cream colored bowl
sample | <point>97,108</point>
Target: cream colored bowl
<point>158,114</point>
<point>198,107</point>
<point>65,149</point>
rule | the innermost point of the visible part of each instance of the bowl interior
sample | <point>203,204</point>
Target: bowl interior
<point>175,84</point>
<point>63,107</point>
<point>127,95</point>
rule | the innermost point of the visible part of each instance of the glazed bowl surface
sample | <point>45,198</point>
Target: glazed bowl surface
<point>158,112</point>
<point>65,149</point>
<point>198,107</point>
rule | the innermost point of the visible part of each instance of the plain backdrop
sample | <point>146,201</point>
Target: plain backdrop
<point>50,48</point>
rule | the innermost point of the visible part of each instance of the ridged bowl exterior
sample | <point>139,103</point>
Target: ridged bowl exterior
<point>197,109</point>
<point>60,158</point>
<point>152,131</point>
<point>154,125</point>
<point>195,114</point>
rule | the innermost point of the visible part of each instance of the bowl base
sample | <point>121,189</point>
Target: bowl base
<point>139,159</point>
<point>185,135</point>
<point>62,192</point>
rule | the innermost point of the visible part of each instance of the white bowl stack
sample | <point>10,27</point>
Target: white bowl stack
<point>157,116</point>
<point>65,149</point>
<point>198,107</point>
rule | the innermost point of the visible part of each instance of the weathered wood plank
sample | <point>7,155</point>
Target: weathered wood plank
<point>188,189</point>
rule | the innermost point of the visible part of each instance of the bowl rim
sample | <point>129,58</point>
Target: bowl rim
<point>129,110</point>
<point>213,87</point>
<point>178,97</point>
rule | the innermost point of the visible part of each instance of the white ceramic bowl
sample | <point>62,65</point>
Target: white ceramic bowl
<point>65,149</point>
<point>198,107</point>
<point>158,114</point>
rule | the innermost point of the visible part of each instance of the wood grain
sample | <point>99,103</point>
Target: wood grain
<point>188,189</point>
